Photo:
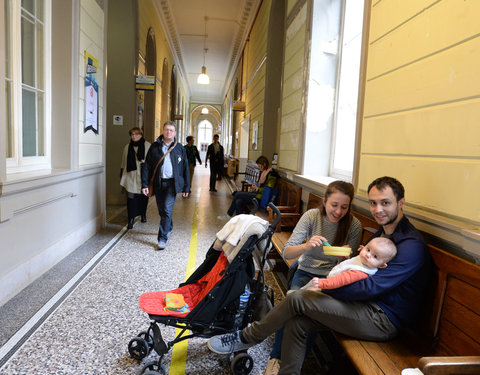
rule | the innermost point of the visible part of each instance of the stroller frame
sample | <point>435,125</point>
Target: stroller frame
<point>241,363</point>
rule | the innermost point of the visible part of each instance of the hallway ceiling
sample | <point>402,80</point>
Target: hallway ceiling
<point>227,27</point>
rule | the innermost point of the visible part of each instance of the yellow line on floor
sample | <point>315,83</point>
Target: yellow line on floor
<point>179,351</point>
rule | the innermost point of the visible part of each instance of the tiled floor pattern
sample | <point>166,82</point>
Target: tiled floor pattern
<point>89,332</point>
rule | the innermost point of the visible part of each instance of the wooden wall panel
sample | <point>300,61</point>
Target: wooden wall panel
<point>447,185</point>
<point>445,77</point>
<point>423,35</point>
<point>389,14</point>
<point>292,92</point>
<point>421,125</point>
<point>422,103</point>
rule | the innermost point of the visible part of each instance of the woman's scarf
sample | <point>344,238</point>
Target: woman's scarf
<point>263,175</point>
<point>140,154</point>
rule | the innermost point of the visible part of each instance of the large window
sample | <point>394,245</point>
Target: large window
<point>26,84</point>
<point>333,88</point>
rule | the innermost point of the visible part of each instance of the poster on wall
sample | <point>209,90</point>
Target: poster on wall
<point>255,136</point>
<point>91,94</point>
<point>141,108</point>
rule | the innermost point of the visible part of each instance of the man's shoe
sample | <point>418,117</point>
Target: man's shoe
<point>224,217</point>
<point>144,219</point>
<point>228,343</point>
<point>162,244</point>
<point>130,223</point>
<point>273,367</point>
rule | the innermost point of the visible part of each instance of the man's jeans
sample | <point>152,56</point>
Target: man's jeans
<point>165,197</point>
<point>305,311</point>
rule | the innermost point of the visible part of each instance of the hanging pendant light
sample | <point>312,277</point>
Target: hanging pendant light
<point>203,78</point>
<point>204,111</point>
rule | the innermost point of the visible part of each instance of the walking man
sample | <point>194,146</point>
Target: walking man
<point>215,154</point>
<point>166,161</point>
<point>192,156</point>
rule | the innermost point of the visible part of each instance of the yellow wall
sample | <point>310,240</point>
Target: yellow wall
<point>292,94</point>
<point>422,103</point>
<point>254,75</point>
<point>149,18</point>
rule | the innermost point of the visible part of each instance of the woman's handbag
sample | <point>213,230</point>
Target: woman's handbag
<point>151,183</point>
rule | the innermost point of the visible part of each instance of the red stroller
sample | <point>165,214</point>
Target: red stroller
<point>212,293</point>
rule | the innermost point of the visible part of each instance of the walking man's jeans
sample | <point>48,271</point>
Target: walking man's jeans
<point>165,197</point>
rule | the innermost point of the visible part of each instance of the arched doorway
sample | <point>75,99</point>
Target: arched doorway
<point>204,137</point>
<point>173,93</point>
<point>151,70</point>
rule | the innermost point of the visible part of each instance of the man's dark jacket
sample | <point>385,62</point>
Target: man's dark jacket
<point>178,156</point>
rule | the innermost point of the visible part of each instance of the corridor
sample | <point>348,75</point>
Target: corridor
<point>89,331</point>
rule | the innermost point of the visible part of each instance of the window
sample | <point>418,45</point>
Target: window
<point>333,88</point>
<point>26,83</point>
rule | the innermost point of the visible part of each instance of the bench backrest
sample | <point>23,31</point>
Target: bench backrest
<point>252,174</point>
<point>289,195</point>
<point>453,309</point>
<point>314,201</point>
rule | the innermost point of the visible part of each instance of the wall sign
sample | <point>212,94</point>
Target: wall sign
<point>91,94</point>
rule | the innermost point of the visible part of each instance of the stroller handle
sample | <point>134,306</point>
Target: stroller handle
<point>278,215</point>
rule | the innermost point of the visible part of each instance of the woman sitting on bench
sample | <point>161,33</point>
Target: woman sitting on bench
<point>332,223</point>
<point>268,178</point>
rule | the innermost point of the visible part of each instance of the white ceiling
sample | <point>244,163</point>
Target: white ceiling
<point>227,27</point>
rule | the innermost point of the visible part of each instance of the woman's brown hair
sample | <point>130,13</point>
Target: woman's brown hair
<point>135,130</point>
<point>345,222</point>
<point>264,161</point>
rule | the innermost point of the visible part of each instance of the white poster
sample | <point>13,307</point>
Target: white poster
<point>91,94</point>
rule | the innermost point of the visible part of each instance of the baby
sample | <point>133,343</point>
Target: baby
<point>374,255</point>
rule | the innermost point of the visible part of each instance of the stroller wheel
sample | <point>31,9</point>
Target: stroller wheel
<point>148,337</point>
<point>153,368</point>
<point>138,348</point>
<point>241,364</point>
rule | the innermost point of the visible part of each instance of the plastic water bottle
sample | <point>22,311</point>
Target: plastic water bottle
<point>242,306</point>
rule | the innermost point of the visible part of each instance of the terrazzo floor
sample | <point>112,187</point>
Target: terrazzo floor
<point>88,333</point>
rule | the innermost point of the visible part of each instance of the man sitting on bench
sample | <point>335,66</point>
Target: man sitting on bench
<point>375,308</point>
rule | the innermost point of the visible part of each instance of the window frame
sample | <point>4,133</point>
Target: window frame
<point>17,162</point>
<point>328,167</point>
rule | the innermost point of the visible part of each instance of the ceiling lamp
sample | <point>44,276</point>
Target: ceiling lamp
<point>203,78</point>
<point>204,111</point>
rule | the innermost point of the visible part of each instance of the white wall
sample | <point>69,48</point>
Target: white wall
<point>45,215</point>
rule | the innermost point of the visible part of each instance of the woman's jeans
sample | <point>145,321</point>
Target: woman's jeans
<point>240,200</point>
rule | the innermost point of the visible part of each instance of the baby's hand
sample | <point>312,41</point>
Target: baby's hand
<point>312,284</point>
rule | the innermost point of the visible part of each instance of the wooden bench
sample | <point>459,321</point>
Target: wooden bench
<point>447,339</point>
<point>281,236</point>
<point>289,202</point>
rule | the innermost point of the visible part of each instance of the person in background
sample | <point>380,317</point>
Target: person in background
<point>242,198</point>
<point>215,154</point>
<point>171,177</point>
<point>192,156</point>
<point>130,175</point>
